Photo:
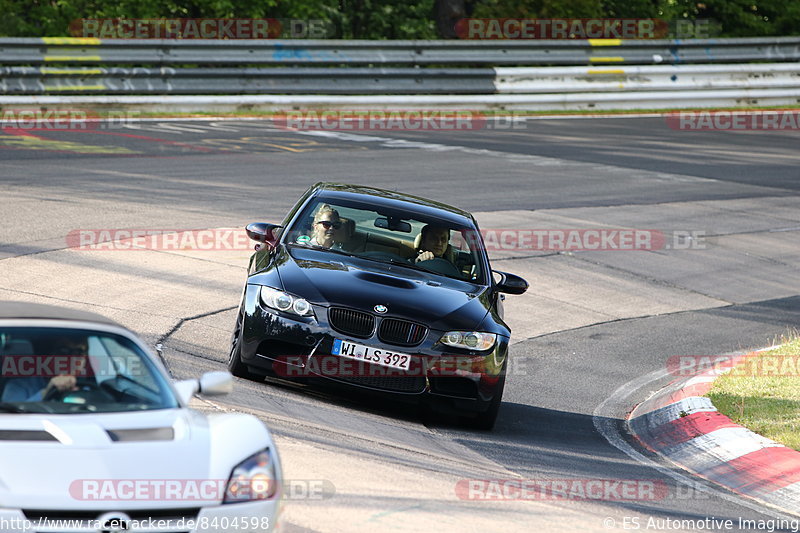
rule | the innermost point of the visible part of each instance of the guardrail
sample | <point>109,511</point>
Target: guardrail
<point>279,80</point>
<point>647,78</point>
<point>501,80</point>
<point>520,74</point>
<point>158,52</point>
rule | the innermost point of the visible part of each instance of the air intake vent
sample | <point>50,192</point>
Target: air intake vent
<point>401,332</point>
<point>407,384</point>
<point>143,434</point>
<point>351,322</point>
<point>25,434</point>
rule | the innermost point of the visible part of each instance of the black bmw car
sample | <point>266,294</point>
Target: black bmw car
<point>380,290</point>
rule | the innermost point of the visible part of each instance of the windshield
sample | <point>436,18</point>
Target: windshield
<point>62,371</point>
<point>405,238</point>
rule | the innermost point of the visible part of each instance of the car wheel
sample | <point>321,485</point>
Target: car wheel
<point>235,364</point>
<point>486,419</point>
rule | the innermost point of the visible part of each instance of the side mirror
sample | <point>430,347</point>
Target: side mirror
<point>510,283</point>
<point>263,233</point>
<point>186,389</point>
<point>209,384</point>
<point>216,383</point>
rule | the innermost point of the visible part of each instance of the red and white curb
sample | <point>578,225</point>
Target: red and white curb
<point>681,425</point>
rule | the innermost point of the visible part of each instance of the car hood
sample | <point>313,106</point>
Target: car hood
<point>71,462</point>
<point>326,278</point>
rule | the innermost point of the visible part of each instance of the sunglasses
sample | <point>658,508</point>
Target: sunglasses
<point>327,224</point>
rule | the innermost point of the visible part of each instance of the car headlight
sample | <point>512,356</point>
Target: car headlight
<point>285,302</point>
<point>252,479</point>
<point>471,340</point>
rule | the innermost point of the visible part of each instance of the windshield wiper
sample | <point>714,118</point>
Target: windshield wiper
<point>318,247</point>
<point>404,263</point>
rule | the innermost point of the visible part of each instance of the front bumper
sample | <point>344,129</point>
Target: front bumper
<point>294,347</point>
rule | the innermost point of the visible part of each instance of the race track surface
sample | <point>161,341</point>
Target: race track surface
<point>592,336</point>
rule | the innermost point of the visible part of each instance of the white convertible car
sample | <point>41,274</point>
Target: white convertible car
<point>95,437</point>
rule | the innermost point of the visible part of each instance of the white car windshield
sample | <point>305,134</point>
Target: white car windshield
<point>62,371</point>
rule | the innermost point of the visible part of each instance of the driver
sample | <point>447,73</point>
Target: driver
<point>36,388</point>
<point>326,225</point>
<point>433,243</point>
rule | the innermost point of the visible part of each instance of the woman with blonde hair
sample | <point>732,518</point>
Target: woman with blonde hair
<point>326,222</point>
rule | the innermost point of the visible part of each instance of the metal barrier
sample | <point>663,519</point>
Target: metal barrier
<point>512,74</point>
<point>359,80</point>
<point>647,78</point>
<point>631,100</point>
<point>279,80</point>
<point>158,52</point>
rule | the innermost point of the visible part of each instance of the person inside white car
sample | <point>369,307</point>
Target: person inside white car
<point>35,388</point>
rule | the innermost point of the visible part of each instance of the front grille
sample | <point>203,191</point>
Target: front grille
<point>149,521</point>
<point>409,384</point>
<point>189,513</point>
<point>401,332</point>
<point>351,322</point>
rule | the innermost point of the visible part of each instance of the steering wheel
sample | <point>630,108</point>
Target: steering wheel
<point>86,389</point>
<point>440,265</point>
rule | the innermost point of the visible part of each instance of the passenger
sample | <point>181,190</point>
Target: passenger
<point>36,388</point>
<point>344,236</point>
<point>433,242</point>
<point>326,224</point>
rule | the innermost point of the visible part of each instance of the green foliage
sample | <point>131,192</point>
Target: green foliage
<point>745,18</point>
<point>384,19</point>
<point>644,9</point>
<point>732,18</point>
<point>539,9</point>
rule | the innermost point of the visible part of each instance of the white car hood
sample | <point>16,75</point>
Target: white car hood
<point>94,452</point>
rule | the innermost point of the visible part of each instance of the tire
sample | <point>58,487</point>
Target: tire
<point>235,364</point>
<point>485,420</point>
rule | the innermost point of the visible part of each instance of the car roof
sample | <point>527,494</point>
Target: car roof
<point>16,310</point>
<point>391,199</point>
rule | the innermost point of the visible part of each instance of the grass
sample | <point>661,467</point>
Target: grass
<point>763,393</point>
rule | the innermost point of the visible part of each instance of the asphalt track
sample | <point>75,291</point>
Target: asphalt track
<point>592,321</point>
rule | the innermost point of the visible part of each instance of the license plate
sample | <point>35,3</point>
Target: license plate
<point>375,356</point>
